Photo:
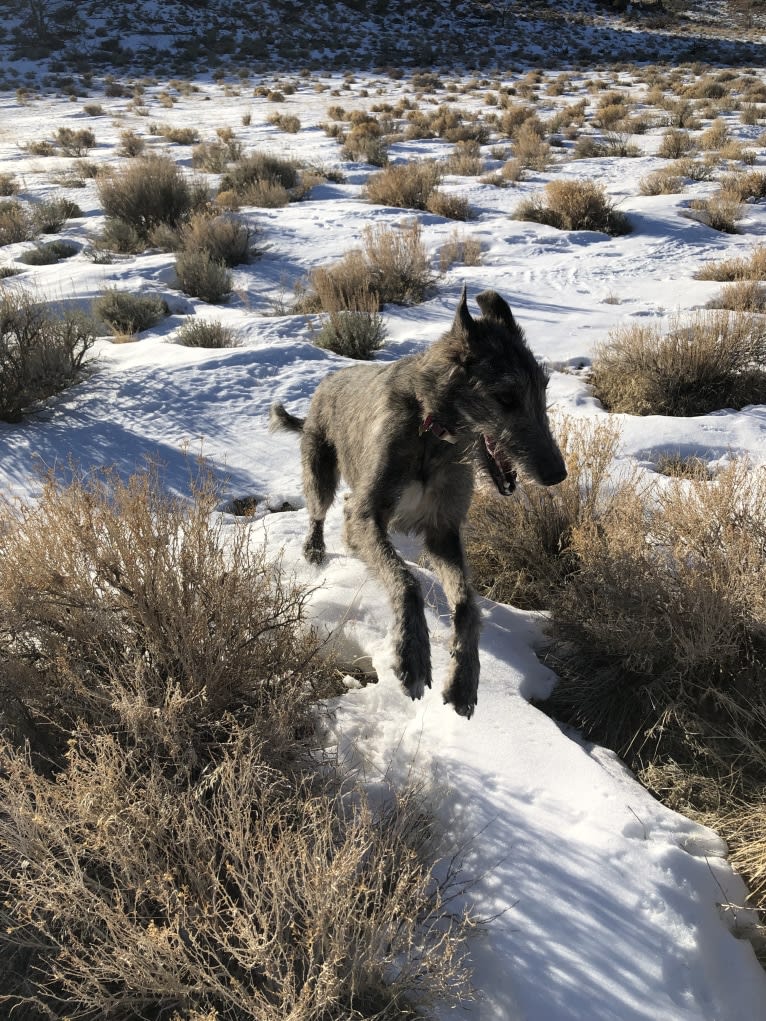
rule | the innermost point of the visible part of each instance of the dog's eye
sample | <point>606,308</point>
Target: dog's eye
<point>508,401</point>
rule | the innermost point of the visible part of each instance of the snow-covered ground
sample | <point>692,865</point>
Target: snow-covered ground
<point>601,904</point>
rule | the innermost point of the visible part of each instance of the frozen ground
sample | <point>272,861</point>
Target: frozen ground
<point>602,904</point>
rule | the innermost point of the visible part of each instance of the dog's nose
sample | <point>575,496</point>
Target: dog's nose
<point>552,478</point>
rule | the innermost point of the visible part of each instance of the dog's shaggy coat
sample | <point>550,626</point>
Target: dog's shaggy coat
<point>408,438</point>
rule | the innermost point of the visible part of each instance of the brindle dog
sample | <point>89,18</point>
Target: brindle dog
<point>408,438</point>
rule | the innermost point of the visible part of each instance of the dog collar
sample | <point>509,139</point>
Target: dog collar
<point>428,425</point>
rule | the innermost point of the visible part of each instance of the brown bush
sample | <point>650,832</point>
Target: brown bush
<point>177,829</point>
<point>149,191</point>
<point>40,353</point>
<point>227,238</point>
<point>712,360</point>
<point>519,549</point>
<point>574,205</point>
<point>752,267</point>
<point>404,185</point>
<point>201,275</point>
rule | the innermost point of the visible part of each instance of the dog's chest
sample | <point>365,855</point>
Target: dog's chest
<point>430,503</point>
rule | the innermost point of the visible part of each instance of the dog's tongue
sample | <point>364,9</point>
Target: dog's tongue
<point>505,477</point>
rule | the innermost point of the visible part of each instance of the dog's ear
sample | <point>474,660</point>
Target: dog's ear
<point>495,307</point>
<point>463,324</point>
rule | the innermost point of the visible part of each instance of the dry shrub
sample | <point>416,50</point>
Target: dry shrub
<point>465,160</point>
<point>722,211</point>
<point>264,179</point>
<point>16,223</point>
<point>665,619</point>
<point>75,142</point>
<point>149,191</point>
<point>715,136</point>
<point>285,122</point>
<point>532,151</point>
<point>749,185</point>
<point>353,334</point>
<point>392,267</point>
<point>50,215</point>
<point>575,205</point>
<point>201,275</point>
<point>519,548</point>
<point>8,184</point>
<point>680,466</point>
<point>205,333</point>
<point>399,263</point>
<point>452,207</point>
<point>178,136</point>
<point>169,840</point>
<point>751,267</point>
<point>676,143</point>
<point>404,185</point>
<point>741,296</point>
<point>216,155</point>
<point>131,143</point>
<point>365,142</point>
<point>225,237</point>
<point>126,313</point>
<point>459,248</point>
<point>712,360</point>
<point>41,353</point>
<point>661,182</point>
<point>695,170</point>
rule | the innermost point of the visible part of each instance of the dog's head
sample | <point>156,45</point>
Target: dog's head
<point>488,382</point>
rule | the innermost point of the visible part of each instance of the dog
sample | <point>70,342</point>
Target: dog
<point>409,438</point>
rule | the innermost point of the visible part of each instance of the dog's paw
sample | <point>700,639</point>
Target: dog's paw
<point>314,554</point>
<point>413,667</point>
<point>462,706</point>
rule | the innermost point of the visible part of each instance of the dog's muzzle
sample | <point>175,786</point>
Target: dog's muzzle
<point>497,465</point>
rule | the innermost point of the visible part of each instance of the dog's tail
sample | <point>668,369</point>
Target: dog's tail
<point>280,418</point>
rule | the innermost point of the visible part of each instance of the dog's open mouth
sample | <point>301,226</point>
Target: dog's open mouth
<point>498,465</point>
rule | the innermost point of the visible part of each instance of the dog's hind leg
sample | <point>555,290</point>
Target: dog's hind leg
<point>320,481</point>
<point>367,536</point>
<point>445,550</point>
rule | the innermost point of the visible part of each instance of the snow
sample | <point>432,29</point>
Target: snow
<point>599,902</point>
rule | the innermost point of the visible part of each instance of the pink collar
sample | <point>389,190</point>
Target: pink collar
<point>428,425</point>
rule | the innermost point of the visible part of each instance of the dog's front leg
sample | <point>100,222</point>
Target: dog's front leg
<point>368,538</point>
<point>446,552</point>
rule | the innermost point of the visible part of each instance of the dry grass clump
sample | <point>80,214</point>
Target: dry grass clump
<point>49,253</point>
<point>661,182</point>
<point>366,142</point>
<point>722,211</point>
<point>676,143</point>
<point>75,142</point>
<point>519,549</point>
<point>712,360</point>
<point>459,249</point>
<point>285,122</point>
<point>149,191</point>
<point>224,236</point>
<point>41,353</point>
<point>205,333</point>
<point>202,275</point>
<point>392,267</point>
<point>127,314</point>
<point>131,143</point>
<point>404,185</point>
<point>749,185</point>
<point>660,632</point>
<point>751,267</point>
<point>16,223</point>
<point>355,333</point>
<point>216,155</point>
<point>530,149</point>
<point>574,205</point>
<point>415,186</point>
<point>741,296</point>
<point>263,179</point>
<point>714,137</point>
<point>50,215</point>
<point>8,184</point>
<point>168,842</point>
